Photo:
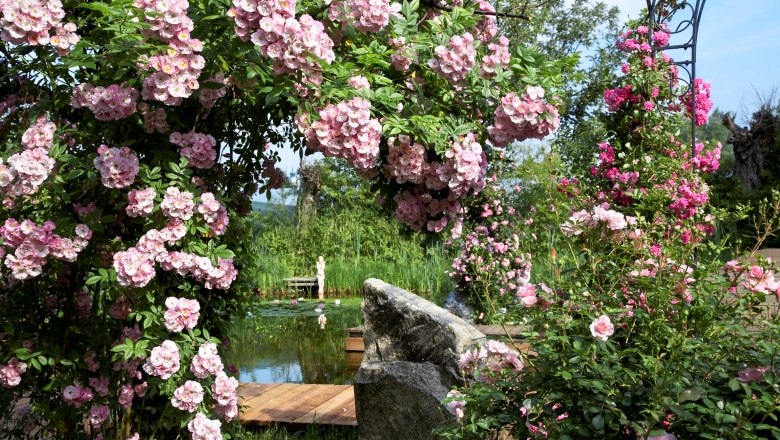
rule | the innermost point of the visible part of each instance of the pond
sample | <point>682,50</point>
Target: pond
<point>285,343</point>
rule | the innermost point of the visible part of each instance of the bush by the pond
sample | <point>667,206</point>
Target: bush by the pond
<point>638,328</point>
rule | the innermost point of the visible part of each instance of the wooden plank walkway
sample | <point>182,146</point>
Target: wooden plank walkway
<point>264,404</point>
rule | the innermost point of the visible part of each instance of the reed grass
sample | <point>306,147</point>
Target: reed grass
<point>356,247</point>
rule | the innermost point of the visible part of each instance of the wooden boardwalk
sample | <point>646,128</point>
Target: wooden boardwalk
<point>264,404</point>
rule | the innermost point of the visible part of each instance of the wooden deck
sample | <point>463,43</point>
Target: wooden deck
<point>264,404</point>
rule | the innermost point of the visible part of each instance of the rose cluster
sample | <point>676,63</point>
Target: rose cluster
<point>181,313</point>
<point>164,360</point>
<point>523,117</point>
<point>107,103</point>
<point>364,15</point>
<point>207,362</point>
<point>135,266</point>
<point>167,19</point>
<point>203,428</point>
<point>188,396</point>
<point>687,196</point>
<point>292,43</point>
<point>753,277</point>
<point>25,172</point>
<point>77,395</point>
<point>118,166</point>
<point>485,255</point>
<point>707,161</point>
<point>483,363</point>
<point>177,204</point>
<point>703,103</point>
<point>623,182</point>
<point>201,268</point>
<point>613,220</point>
<point>214,213</point>
<point>248,13</point>
<point>154,120</point>
<point>406,160</point>
<point>40,135</point>
<point>461,173</point>
<point>225,392</point>
<point>11,373</point>
<point>140,202</point>
<point>346,130</point>
<point>498,57</point>
<point>198,148</point>
<point>176,72</point>
<point>465,166</point>
<point>454,61</point>
<point>404,54</point>
<point>32,244</point>
<point>32,21</point>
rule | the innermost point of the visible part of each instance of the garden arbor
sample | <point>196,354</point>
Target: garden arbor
<point>135,132</point>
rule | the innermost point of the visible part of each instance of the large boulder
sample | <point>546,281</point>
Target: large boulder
<point>409,365</point>
<point>457,303</point>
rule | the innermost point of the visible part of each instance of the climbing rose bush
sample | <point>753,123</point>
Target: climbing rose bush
<point>642,325</point>
<point>134,135</point>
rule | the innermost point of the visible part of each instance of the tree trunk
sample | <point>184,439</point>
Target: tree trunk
<point>307,197</point>
<point>751,145</point>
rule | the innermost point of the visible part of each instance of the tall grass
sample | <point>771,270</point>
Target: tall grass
<point>357,244</point>
<point>426,278</point>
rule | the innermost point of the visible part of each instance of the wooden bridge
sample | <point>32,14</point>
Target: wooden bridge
<point>264,404</point>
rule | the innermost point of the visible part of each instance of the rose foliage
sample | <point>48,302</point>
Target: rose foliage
<point>637,324</point>
<point>133,134</point>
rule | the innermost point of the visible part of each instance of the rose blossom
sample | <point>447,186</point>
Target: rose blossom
<point>188,396</point>
<point>163,361</point>
<point>182,313</point>
<point>203,428</point>
<point>601,328</point>
<point>206,362</point>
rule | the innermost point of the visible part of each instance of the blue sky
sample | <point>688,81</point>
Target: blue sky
<point>738,50</point>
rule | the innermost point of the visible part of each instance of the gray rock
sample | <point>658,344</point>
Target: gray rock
<point>409,364</point>
<point>457,304</point>
<point>400,400</point>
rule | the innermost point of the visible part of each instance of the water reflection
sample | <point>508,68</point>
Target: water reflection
<point>284,343</point>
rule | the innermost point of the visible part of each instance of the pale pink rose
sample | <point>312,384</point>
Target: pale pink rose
<point>188,396</point>
<point>601,328</point>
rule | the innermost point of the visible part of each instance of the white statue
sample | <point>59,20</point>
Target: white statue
<point>321,278</point>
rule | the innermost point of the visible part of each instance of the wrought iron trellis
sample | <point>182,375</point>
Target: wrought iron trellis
<point>661,11</point>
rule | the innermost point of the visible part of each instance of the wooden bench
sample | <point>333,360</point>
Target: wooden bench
<point>297,283</point>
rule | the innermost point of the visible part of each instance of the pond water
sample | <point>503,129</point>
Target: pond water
<point>284,343</point>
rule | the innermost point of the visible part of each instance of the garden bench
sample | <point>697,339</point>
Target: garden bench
<point>297,283</point>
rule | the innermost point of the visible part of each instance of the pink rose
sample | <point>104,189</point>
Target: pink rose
<point>602,328</point>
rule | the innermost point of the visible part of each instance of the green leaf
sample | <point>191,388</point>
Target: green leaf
<point>94,279</point>
<point>598,422</point>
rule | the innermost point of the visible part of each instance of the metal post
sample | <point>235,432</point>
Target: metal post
<point>662,10</point>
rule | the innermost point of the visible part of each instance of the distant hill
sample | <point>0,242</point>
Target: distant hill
<point>271,208</point>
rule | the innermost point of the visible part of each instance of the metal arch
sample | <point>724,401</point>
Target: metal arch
<point>659,11</point>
